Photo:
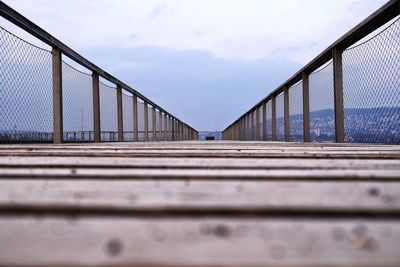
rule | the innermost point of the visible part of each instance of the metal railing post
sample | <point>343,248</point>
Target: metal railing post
<point>286,113</point>
<point>120,114</point>
<point>306,107</point>
<point>58,131</point>
<point>338,94</point>
<point>154,124</point>
<point>264,121</point>
<point>165,127</point>
<point>252,126</point>
<point>135,119</point>
<point>96,107</point>
<point>257,126</point>
<point>161,132</point>
<point>273,118</point>
<point>172,129</point>
<point>146,121</point>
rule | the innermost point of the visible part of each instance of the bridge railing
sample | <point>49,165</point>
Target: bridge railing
<point>348,93</point>
<point>45,99</point>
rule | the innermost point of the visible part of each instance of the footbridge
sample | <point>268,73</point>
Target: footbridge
<point>93,173</point>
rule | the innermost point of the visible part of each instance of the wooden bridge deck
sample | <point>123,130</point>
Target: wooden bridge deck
<point>200,204</point>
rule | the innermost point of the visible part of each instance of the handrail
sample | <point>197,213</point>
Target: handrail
<point>16,18</point>
<point>383,15</point>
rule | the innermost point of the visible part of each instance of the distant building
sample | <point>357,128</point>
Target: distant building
<point>203,136</point>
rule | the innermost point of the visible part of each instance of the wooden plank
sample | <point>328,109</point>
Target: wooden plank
<point>206,196</point>
<point>208,154</point>
<point>103,241</point>
<point>199,163</point>
<point>228,174</point>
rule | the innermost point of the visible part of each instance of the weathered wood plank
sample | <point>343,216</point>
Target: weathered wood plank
<point>228,174</point>
<point>196,163</point>
<point>80,241</point>
<point>206,196</point>
<point>207,154</point>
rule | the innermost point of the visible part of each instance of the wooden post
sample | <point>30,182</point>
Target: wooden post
<point>96,107</point>
<point>273,118</point>
<point>154,121</point>
<point>306,107</point>
<point>120,114</point>
<point>338,94</point>
<point>146,121</point>
<point>286,113</point>
<point>264,122</point>
<point>58,131</point>
<point>135,119</point>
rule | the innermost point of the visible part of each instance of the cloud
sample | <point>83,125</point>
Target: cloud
<point>160,11</point>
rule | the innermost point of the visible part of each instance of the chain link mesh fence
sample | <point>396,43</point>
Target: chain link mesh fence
<point>77,105</point>
<point>26,100</point>
<point>296,113</point>
<point>108,113</point>
<point>127,111</point>
<point>371,74</point>
<point>322,114</point>
<point>280,124</point>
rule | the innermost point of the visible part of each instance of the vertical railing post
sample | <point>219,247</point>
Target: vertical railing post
<point>161,132</point>
<point>154,124</point>
<point>306,107</point>
<point>165,127</point>
<point>58,131</point>
<point>338,94</point>
<point>96,107</point>
<point>257,126</point>
<point>252,126</point>
<point>146,121</point>
<point>264,121</point>
<point>273,100</point>
<point>135,119</point>
<point>120,114</point>
<point>286,113</point>
<point>172,129</point>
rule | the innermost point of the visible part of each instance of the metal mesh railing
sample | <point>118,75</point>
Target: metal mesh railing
<point>127,111</point>
<point>108,113</point>
<point>77,105</point>
<point>45,99</point>
<point>25,91</point>
<point>280,120</point>
<point>371,78</point>
<point>353,95</point>
<point>296,113</point>
<point>322,115</point>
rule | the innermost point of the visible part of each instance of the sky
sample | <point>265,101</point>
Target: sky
<point>205,61</point>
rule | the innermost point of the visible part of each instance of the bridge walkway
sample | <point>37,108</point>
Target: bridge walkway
<point>226,203</point>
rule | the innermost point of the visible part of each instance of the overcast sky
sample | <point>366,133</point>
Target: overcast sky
<point>205,61</point>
